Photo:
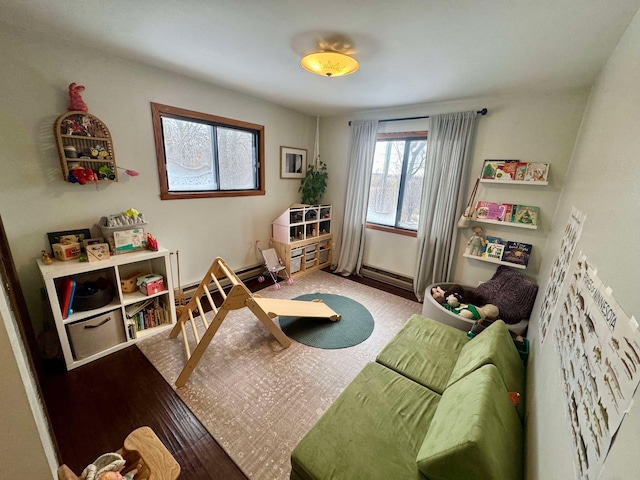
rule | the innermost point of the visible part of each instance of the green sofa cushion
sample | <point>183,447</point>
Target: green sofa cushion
<point>475,433</point>
<point>372,431</point>
<point>424,351</point>
<point>493,346</point>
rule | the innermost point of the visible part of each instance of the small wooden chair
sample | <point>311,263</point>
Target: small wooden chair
<point>143,450</point>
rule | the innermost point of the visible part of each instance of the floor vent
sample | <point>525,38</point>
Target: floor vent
<point>387,277</point>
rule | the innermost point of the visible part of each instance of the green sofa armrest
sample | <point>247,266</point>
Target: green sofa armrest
<point>475,433</point>
<point>493,346</point>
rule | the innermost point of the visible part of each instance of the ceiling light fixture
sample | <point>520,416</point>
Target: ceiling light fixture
<point>329,63</point>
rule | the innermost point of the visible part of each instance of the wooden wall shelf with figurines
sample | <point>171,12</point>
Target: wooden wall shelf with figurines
<point>84,143</point>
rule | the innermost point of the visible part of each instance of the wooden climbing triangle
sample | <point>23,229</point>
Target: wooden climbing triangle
<point>238,296</point>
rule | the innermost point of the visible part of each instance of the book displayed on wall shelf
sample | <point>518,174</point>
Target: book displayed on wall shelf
<point>515,171</point>
<point>508,213</point>
<point>496,250</point>
<point>517,252</point>
<point>494,247</point>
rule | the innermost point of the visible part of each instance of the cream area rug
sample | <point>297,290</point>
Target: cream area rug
<point>258,399</point>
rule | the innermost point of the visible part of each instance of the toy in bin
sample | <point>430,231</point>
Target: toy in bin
<point>273,266</point>
<point>151,283</point>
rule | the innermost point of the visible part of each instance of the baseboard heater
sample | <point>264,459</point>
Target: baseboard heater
<point>245,274</point>
<point>387,277</point>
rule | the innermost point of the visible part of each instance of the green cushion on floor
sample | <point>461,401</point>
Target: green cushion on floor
<point>494,345</point>
<point>475,433</point>
<point>372,431</point>
<point>424,351</point>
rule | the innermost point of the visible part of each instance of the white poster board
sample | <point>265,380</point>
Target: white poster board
<point>599,350</point>
<point>559,270</point>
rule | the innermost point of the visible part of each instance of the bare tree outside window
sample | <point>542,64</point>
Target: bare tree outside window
<point>396,181</point>
<point>201,155</point>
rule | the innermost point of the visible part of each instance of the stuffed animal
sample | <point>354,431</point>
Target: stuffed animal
<point>438,294</point>
<point>76,104</point>
<point>81,175</point>
<point>453,304</point>
<point>475,244</point>
<point>472,312</point>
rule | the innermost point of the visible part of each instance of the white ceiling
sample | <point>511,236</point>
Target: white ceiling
<point>410,51</point>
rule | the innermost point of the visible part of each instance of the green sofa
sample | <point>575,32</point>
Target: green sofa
<point>433,405</point>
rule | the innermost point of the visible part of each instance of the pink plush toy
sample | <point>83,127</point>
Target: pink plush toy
<point>75,99</point>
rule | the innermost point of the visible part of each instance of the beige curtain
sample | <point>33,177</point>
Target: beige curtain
<point>448,146</point>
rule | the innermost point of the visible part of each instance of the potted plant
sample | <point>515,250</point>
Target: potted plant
<point>314,183</point>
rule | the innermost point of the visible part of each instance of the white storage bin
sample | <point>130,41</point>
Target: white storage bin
<point>310,256</point>
<point>295,264</point>
<point>324,256</point>
<point>296,252</point>
<point>96,334</point>
<point>309,264</point>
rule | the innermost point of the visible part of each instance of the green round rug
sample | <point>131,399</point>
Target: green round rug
<point>355,326</point>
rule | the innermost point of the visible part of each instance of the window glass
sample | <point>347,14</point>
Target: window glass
<point>396,181</point>
<point>201,155</point>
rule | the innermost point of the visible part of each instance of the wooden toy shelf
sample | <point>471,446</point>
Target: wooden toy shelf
<point>302,238</point>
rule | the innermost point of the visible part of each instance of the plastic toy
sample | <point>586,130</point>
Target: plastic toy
<point>46,258</point>
<point>76,104</point>
<point>476,242</point>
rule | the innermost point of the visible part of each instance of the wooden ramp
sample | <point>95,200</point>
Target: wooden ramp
<point>238,296</point>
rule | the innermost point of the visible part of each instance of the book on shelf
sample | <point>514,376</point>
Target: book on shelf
<point>521,169</point>
<point>509,170</point>
<point>492,211</point>
<point>152,314</point>
<point>525,215</point>
<point>536,172</point>
<point>493,248</point>
<point>490,167</point>
<point>506,170</point>
<point>517,252</point>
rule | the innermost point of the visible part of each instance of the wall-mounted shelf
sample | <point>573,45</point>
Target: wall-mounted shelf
<point>90,142</point>
<point>506,224</point>
<point>491,260</point>
<point>514,182</point>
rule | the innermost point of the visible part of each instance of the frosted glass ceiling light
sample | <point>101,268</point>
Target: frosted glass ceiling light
<point>329,64</point>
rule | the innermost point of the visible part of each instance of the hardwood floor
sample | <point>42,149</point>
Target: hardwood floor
<point>94,407</point>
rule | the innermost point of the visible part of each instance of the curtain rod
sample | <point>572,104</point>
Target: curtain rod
<point>484,111</point>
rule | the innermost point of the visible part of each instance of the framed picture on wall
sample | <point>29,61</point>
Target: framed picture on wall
<point>293,162</point>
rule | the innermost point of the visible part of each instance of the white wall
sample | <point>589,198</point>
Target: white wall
<point>532,128</point>
<point>602,181</point>
<point>34,200</point>
<point>26,449</point>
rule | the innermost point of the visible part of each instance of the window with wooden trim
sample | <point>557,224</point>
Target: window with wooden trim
<point>396,182</point>
<point>201,155</point>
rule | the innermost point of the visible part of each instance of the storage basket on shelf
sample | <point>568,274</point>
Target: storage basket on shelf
<point>124,238</point>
